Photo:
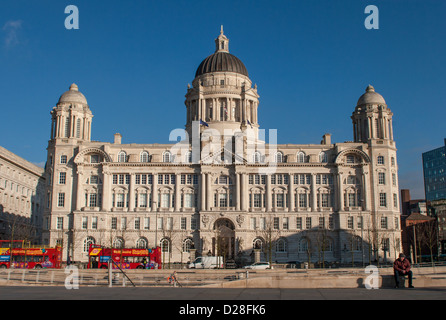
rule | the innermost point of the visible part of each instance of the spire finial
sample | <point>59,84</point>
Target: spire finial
<point>221,30</point>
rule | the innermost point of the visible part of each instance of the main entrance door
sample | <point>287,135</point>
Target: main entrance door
<point>223,244</point>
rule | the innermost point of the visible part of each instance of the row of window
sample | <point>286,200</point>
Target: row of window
<point>138,223</point>
<point>256,200</point>
<point>257,157</point>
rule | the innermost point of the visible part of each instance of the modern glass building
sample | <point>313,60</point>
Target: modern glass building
<point>434,168</point>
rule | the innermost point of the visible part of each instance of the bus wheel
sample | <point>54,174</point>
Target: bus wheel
<point>3,266</point>
<point>38,266</point>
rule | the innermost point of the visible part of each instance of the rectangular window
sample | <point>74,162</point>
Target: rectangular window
<point>321,222</point>
<point>350,223</point>
<point>299,223</point>
<point>193,223</point>
<point>93,200</point>
<point>257,200</point>
<point>59,224</point>
<point>165,200</point>
<point>137,223</point>
<point>382,200</point>
<point>85,223</point>
<point>381,178</point>
<point>120,200</point>
<point>352,200</point>
<point>308,223</point>
<point>394,179</point>
<point>279,200</point>
<point>302,200</point>
<point>253,223</point>
<point>384,223</point>
<point>62,177</point>
<point>146,223</point>
<point>325,197</point>
<point>223,200</point>
<point>94,223</point>
<point>115,179</point>
<point>183,223</point>
<point>263,223</point>
<point>142,200</point>
<point>63,159</point>
<point>114,223</point>
<point>189,200</point>
<point>395,200</point>
<point>124,223</point>
<point>285,223</point>
<point>276,223</point>
<point>61,200</point>
<point>360,223</point>
<point>331,222</point>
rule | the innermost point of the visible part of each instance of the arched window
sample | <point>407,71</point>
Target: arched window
<point>122,156</point>
<point>281,245</point>
<point>301,157</point>
<point>167,157</point>
<point>323,157</point>
<point>256,157</point>
<point>278,157</point>
<point>144,156</point>
<point>118,243</point>
<point>165,245</point>
<point>327,245</point>
<point>87,242</point>
<point>257,244</point>
<point>303,245</point>
<point>187,245</point>
<point>142,243</point>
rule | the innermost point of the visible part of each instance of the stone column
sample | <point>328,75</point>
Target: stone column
<point>106,190</point>
<point>208,192</point>
<point>313,193</point>
<point>203,192</point>
<point>155,203</point>
<point>237,191</point>
<point>291,193</point>
<point>132,192</point>
<point>268,193</point>
<point>177,192</point>
<point>79,191</point>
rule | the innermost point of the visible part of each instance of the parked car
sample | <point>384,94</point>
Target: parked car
<point>259,266</point>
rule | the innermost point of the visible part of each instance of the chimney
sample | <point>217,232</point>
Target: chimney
<point>326,138</point>
<point>118,138</point>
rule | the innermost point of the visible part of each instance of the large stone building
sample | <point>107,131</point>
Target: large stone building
<point>223,189</point>
<point>22,194</point>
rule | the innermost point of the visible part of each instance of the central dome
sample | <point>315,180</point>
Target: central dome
<point>221,62</point>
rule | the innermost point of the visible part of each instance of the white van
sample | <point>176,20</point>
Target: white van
<point>207,263</point>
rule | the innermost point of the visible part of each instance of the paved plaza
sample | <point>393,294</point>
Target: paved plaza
<point>215,294</point>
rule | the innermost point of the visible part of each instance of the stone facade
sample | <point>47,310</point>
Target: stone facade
<point>22,188</point>
<point>223,189</point>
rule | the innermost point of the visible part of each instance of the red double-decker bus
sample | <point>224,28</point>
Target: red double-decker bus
<point>125,258</point>
<point>20,255</point>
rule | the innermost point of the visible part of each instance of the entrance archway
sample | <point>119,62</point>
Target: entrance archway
<point>223,243</point>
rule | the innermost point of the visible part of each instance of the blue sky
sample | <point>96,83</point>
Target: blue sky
<point>311,61</point>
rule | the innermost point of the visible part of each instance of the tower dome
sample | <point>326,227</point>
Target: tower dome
<point>371,97</point>
<point>221,60</point>
<point>73,95</point>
